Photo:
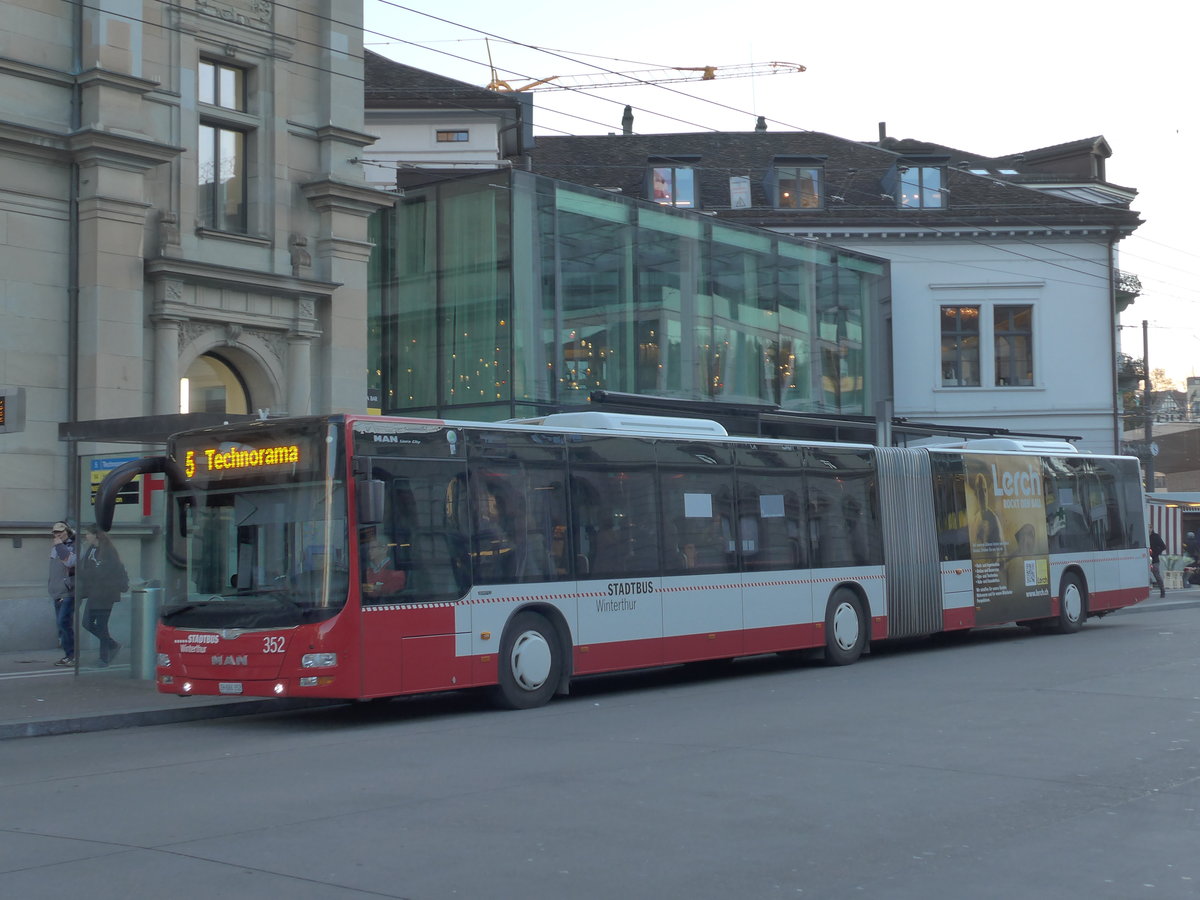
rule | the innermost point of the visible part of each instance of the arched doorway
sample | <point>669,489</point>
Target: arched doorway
<point>211,384</point>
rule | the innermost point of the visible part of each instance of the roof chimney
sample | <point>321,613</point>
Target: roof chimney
<point>627,121</point>
<point>761,124</point>
<point>882,132</point>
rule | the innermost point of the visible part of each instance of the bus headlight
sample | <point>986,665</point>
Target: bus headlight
<point>164,661</point>
<point>318,660</point>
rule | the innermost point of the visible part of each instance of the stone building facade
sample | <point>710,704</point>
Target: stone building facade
<point>183,228</point>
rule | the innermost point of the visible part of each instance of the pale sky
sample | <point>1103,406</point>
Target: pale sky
<point>990,78</point>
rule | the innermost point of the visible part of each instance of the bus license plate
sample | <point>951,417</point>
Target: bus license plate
<point>230,687</point>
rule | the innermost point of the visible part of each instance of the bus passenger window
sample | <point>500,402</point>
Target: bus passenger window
<point>493,547</point>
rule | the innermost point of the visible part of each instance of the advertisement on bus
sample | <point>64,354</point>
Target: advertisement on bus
<point>1006,509</point>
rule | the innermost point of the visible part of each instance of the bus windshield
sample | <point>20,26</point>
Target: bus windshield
<point>262,558</point>
<point>260,532</point>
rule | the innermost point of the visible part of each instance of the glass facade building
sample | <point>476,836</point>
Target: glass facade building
<point>507,294</point>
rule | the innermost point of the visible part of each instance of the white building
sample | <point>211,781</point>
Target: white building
<point>428,124</point>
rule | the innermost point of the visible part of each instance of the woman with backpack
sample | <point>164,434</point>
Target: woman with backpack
<point>101,580</point>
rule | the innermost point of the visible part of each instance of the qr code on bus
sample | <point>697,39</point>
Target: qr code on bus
<point>1031,568</point>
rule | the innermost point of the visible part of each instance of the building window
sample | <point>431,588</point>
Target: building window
<point>673,185</point>
<point>222,86</point>
<point>960,346</point>
<point>965,332</point>
<point>453,137</point>
<point>920,187</point>
<point>222,147</point>
<point>798,187</point>
<point>222,176</point>
<point>1013,336</point>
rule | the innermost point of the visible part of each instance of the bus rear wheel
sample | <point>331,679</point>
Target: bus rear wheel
<point>530,663</point>
<point>1072,605</point>
<point>845,628</point>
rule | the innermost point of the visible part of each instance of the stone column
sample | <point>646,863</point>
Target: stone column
<point>166,358</point>
<point>299,374</point>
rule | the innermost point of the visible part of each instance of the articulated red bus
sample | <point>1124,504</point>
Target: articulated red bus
<point>361,557</point>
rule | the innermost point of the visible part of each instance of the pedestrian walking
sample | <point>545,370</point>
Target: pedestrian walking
<point>102,580</point>
<point>1157,546</point>
<point>61,585</point>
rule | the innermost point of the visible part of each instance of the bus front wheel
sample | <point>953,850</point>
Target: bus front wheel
<point>845,628</point>
<point>530,663</point>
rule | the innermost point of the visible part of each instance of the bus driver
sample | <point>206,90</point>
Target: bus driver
<point>380,576</point>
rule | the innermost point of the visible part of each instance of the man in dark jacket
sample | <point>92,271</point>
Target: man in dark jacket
<point>102,580</point>
<point>1157,546</point>
<point>61,585</point>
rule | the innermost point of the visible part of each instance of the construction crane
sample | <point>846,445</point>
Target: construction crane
<point>670,75</point>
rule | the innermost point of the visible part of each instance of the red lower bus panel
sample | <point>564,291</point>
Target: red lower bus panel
<point>1106,600</point>
<point>707,645</point>
<point>959,618</point>
<point>429,664</point>
<point>485,668</point>
<point>786,637</point>
<point>591,658</point>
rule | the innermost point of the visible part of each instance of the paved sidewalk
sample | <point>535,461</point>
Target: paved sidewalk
<point>37,698</point>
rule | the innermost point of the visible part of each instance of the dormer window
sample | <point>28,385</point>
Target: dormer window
<point>920,186</point>
<point>672,183</point>
<point>795,183</point>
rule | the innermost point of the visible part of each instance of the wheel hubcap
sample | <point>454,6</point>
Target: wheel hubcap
<point>845,626</point>
<point>531,659</point>
<point>1072,602</point>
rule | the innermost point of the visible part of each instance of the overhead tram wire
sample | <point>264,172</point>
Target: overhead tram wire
<point>555,112</point>
<point>549,51</point>
<point>399,40</point>
<point>535,48</point>
<point>898,220</point>
<point>633,83</point>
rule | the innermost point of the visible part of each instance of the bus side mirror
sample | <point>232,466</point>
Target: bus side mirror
<point>370,501</point>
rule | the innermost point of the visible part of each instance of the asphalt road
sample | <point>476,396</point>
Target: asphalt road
<point>1003,765</point>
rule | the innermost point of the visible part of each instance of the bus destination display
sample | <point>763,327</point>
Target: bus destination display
<point>203,461</point>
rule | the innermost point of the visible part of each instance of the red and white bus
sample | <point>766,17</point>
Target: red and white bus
<point>360,557</point>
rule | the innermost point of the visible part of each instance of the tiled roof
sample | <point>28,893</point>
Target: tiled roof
<point>391,85</point>
<point>853,176</point>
